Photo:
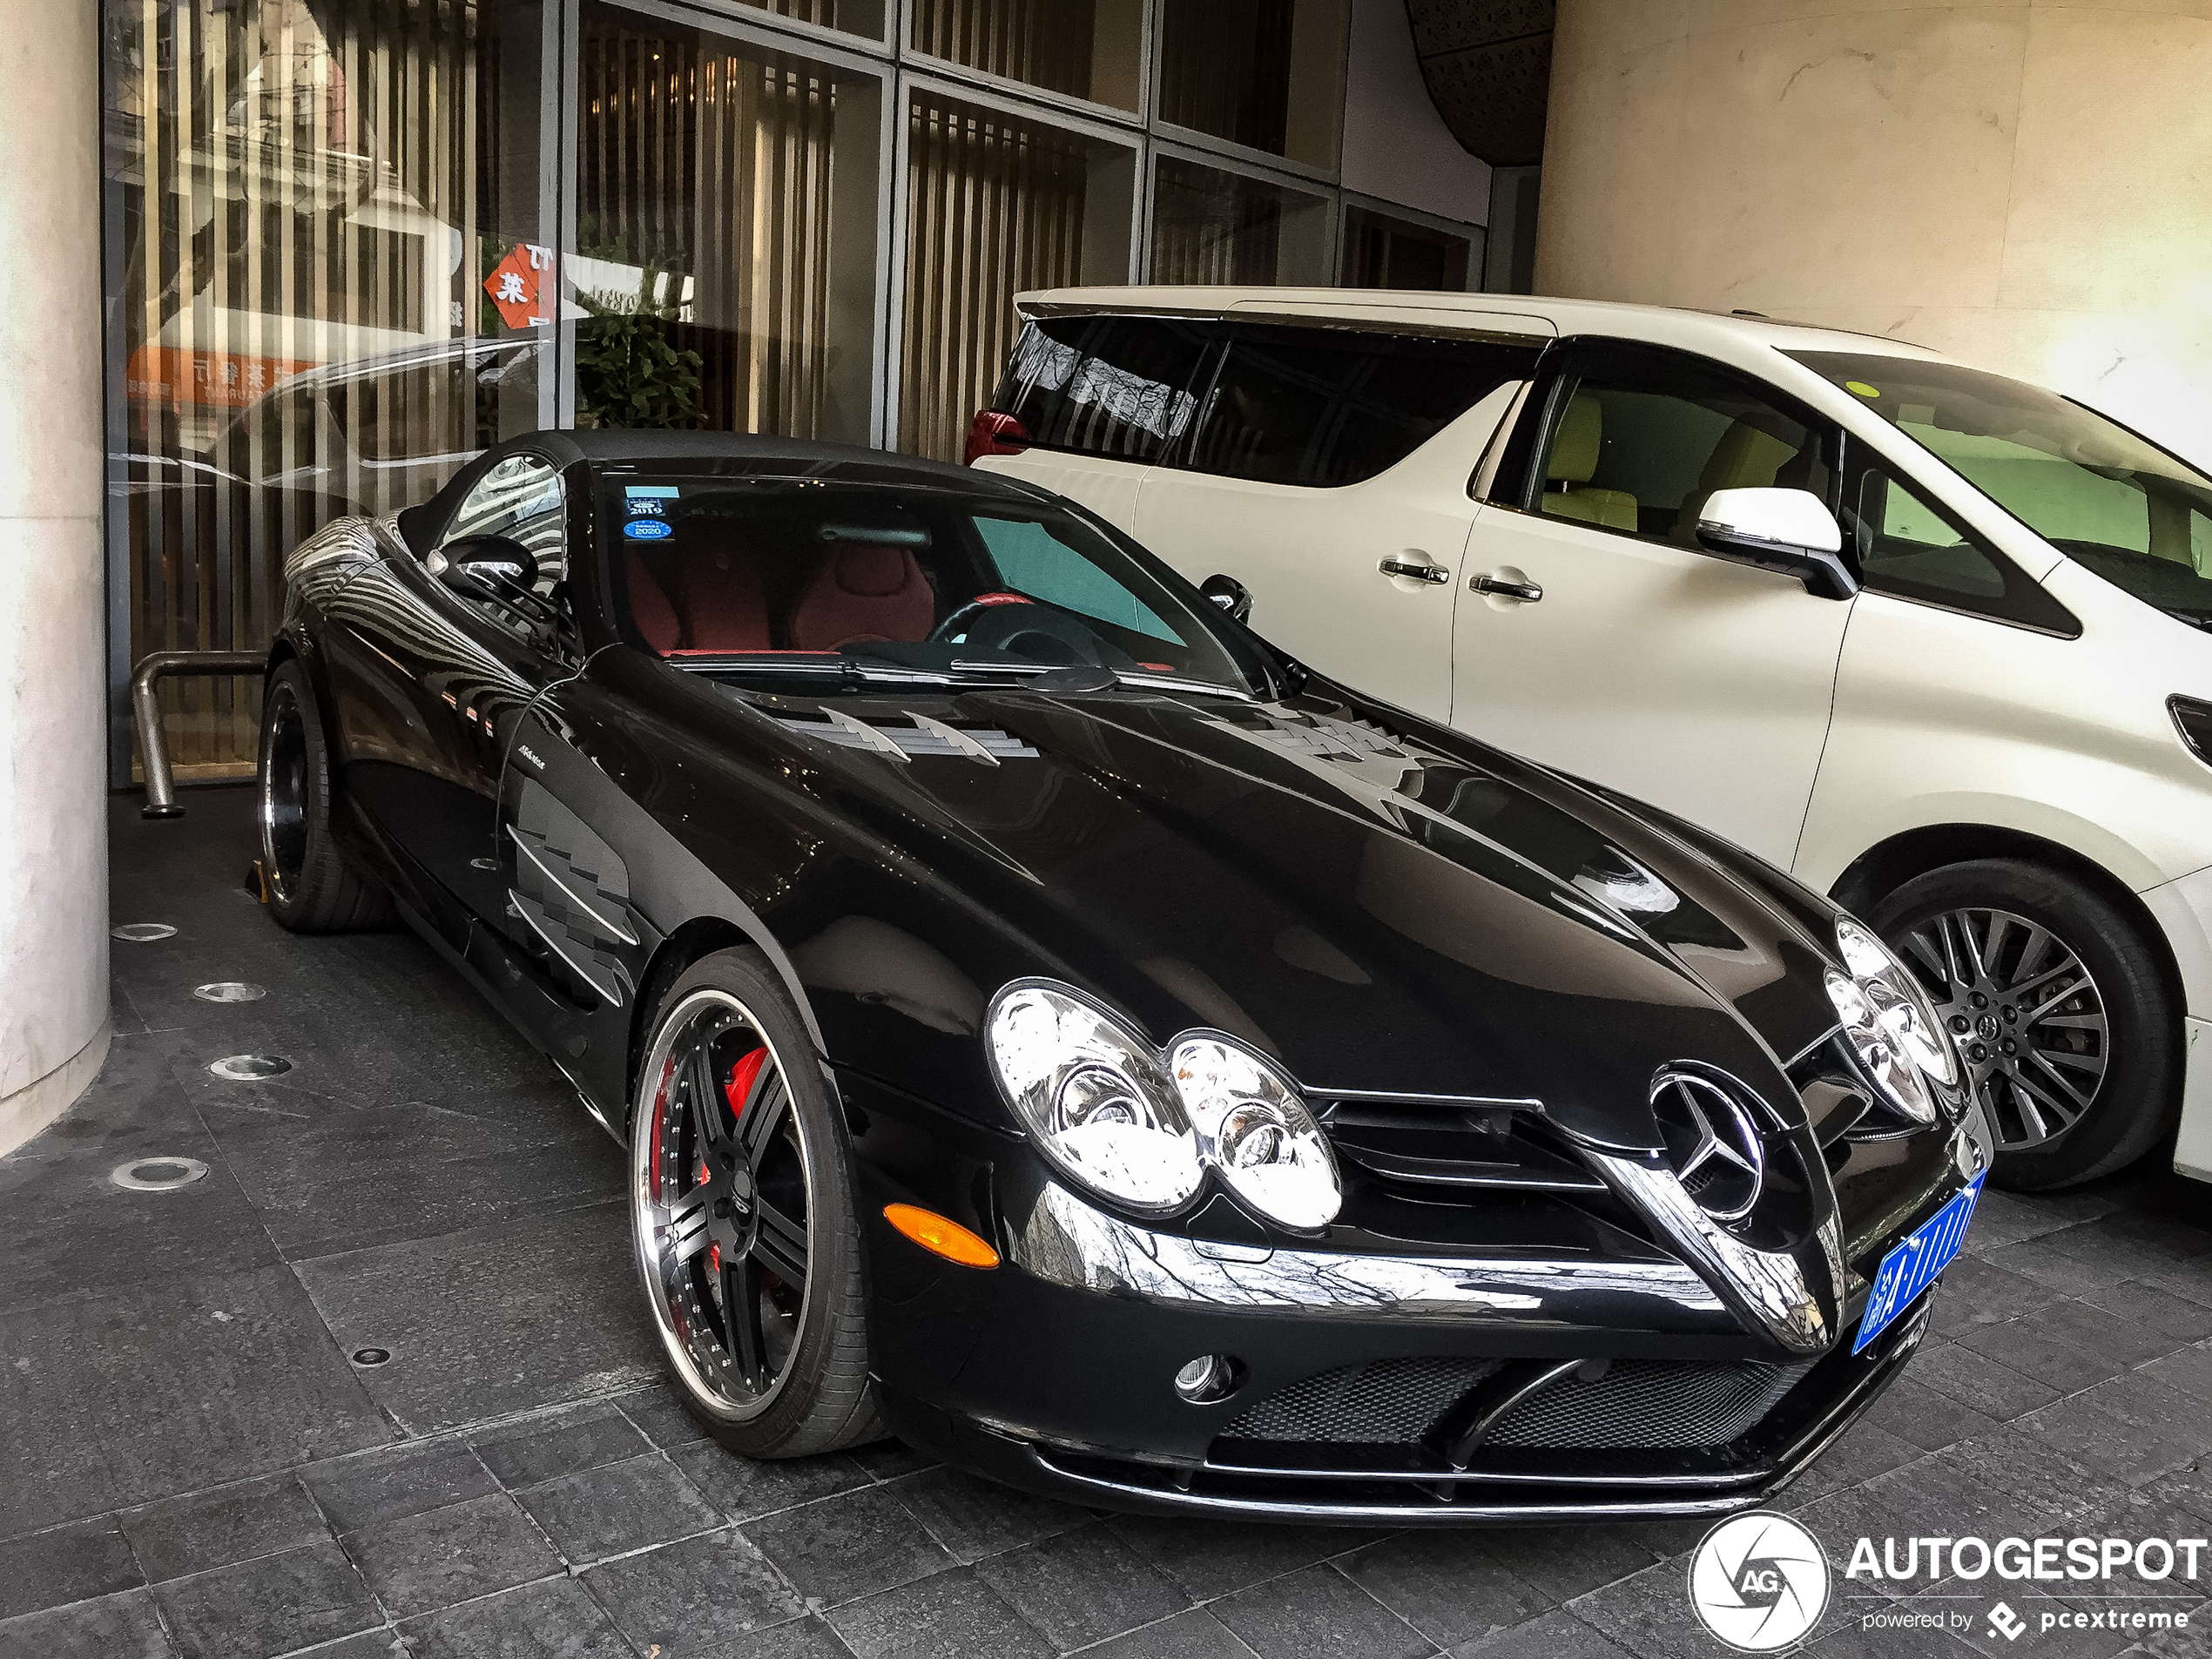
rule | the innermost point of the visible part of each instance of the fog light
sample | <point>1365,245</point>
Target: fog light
<point>1209,1378</point>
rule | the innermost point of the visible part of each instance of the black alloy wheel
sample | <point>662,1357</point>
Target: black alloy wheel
<point>2066,1024</point>
<point>312,889</point>
<point>745,1238</point>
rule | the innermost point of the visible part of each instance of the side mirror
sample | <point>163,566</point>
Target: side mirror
<point>1231,595</point>
<point>485,567</point>
<point>1791,531</point>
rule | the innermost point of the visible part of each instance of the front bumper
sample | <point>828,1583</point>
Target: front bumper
<point>1363,1487</point>
<point>1427,1386</point>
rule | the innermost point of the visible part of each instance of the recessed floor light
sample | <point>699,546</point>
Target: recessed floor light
<point>156,1174</point>
<point>250,1068</point>
<point>229,990</point>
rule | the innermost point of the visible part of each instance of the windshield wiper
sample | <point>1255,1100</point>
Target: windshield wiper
<point>849,671</point>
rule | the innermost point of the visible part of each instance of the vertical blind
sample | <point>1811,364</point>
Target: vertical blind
<point>1213,226</point>
<point>1045,42</point>
<point>995,206</point>
<point>1226,68</point>
<point>704,211</point>
<point>299,192</point>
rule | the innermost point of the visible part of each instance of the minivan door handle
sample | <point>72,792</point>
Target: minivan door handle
<point>1416,572</point>
<point>1528,591</point>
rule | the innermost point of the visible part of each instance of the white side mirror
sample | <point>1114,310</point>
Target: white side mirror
<point>1787,530</point>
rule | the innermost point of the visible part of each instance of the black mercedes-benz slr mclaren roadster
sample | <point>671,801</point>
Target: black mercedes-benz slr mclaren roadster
<point>1050,1025</point>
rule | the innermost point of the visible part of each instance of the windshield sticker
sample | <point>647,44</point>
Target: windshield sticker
<point>656,492</point>
<point>653,509</point>
<point>648,529</point>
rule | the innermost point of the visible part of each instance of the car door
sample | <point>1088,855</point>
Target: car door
<point>429,684</point>
<point>1595,635</point>
<point>1327,471</point>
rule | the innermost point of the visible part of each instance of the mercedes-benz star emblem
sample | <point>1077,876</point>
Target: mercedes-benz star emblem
<point>1712,1145</point>
<point>1759,1581</point>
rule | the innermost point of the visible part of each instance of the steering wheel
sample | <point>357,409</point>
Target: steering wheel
<point>1030,630</point>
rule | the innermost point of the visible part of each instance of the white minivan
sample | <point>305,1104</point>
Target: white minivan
<point>1931,639</point>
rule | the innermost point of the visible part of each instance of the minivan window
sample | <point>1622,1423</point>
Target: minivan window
<point>1908,547</point>
<point>1637,441</point>
<point>1107,385</point>
<point>1323,407</point>
<point>2107,499</point>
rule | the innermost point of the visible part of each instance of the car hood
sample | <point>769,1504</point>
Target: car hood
<point>1385,905</point>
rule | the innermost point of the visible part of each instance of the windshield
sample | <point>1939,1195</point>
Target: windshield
<point>846,585</point>
<point>2103,497</point>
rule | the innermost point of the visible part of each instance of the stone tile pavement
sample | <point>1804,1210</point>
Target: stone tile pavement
<point>194,1462</point>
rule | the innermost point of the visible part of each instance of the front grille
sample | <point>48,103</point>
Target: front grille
<point>1383,1402</point>
<point>1649,1405</point>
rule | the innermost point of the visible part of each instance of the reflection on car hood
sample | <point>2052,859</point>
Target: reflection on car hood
<point>1386,907</point>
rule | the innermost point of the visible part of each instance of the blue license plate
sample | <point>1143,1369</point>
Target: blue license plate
<point>1912,1266</point>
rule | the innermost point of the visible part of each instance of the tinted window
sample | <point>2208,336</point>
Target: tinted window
<point>828,582</point>
<point>1108,386</point>
<point>1331,406</point>
<point>1637,444</point>
<point>1909,547</point>
<point>2108,499</point>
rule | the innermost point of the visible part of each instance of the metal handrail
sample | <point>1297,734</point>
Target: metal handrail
<point>145,712</point>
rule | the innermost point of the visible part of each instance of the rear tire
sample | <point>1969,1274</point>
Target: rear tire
<point>2027,957</point>
<point>740,1184</point>
<point>311,889</point>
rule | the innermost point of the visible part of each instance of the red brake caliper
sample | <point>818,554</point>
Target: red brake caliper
<point>742,1077</point>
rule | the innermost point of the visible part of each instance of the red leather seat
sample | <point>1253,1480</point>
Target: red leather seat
<point>863,590</point>
<point>656,617</point>
<point>698,597</point>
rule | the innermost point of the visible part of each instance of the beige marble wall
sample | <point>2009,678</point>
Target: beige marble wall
<point>2027,185</point>
<point>53,680</point>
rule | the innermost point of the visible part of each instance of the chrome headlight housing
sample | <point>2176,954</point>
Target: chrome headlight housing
<point>1890,1022</point>
<point>1094,1097</point>
<point>1253,1129</point>
<point>1129,1123</point>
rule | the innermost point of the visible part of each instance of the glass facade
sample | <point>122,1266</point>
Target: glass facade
<point>352,242</point>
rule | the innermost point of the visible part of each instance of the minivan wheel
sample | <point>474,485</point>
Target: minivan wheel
<point>2070,1030</point>
<point>741,1207</point>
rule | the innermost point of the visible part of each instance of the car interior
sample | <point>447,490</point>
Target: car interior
<point>710,571</point>
<point>1645,461</point>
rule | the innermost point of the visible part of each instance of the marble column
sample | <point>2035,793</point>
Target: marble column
<point>53,683</point>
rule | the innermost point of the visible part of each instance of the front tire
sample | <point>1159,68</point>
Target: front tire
<point>2068,1024</point>
<point>741,1207</point>
<point>311,887</point>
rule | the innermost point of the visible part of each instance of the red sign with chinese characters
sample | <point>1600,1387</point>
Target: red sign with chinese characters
<point>518,285</point>
<point>218,380</point>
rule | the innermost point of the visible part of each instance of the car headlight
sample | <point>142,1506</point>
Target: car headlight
<point>1256,1131</point>
<point>1891,1024</point>
<point>1094,1095</point>
<point>1141,1128</point>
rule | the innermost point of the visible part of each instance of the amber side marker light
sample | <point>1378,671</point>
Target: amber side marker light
<point>940,1237</point>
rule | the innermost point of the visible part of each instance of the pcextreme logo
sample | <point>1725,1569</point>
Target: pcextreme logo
<point>1759,1581</point>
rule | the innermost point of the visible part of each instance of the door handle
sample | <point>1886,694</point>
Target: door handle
<point>1527,591</point>
<point>1417,572</point>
